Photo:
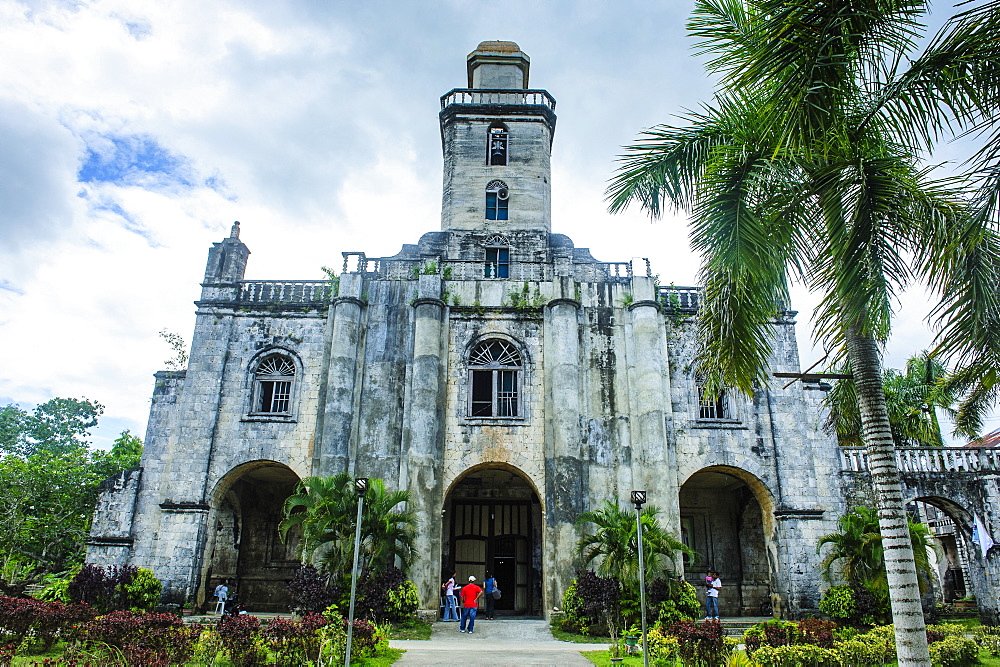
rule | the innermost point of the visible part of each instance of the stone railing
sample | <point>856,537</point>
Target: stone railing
<point>684,299</point>
<point>285,291</point>
<point>483,96</point>
<point>927,459</point>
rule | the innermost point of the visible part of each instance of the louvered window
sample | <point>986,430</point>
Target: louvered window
<point>497,196</point>
<point>495,380</point>
<point>273,385</point>
<point>496,150</point>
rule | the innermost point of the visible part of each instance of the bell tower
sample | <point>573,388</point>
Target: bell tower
<point>496,136</point>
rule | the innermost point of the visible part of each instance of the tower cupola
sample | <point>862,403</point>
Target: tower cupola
<point>498,65</point>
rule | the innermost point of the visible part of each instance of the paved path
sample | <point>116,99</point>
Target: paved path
<point>501,642</point>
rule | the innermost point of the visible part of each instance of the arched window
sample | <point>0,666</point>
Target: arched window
<point>272,385</point>
<point>497,263</point>
<point>496,145</point>
<point>495,378</point>
<point>497,195</point>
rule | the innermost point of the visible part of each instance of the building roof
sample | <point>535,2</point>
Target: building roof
<point>988,440</point>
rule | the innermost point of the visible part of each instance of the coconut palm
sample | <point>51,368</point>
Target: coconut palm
<point>325,509</point>
<point>912,399</point>
<point>615,547</point>
<point>805,168</point>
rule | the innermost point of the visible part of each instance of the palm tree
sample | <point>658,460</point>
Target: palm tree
<point>805,168</point>
<point>858,553</point>
<point>615,544</point>
<point>912,399</point>
<point>325,508</point>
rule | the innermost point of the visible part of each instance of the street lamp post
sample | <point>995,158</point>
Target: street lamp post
<point>639,499</point>
<point>361,486</point>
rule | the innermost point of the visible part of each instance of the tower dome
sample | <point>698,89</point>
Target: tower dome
<point>497,64</point>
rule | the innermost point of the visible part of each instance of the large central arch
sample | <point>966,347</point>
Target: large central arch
<point>492,522</point>
<point>727,516</point>
<point>243,546</point>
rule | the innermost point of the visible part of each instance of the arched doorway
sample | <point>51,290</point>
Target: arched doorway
<point>951,525</point>
<point>243,545</point>
<point>492,521</point>
<point>723,520</point>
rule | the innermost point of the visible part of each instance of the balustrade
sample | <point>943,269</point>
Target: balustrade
<point>916,460</point>
<point>482,96</point>
<point>285,291</point>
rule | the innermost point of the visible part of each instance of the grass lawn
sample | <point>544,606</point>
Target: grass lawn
<point>390,656</point>
<point>578,639</point>
<point>415,630</point>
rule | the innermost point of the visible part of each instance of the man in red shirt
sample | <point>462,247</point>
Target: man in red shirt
<point>470,604</point>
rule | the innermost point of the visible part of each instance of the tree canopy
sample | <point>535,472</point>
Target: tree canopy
<point>49,480</point>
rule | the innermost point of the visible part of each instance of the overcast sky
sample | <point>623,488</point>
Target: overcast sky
<point>133,134</point>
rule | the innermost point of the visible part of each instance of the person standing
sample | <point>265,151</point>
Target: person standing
<point>450,601</point>
<point>491,588</point>
<point>470,604</point>
<point>713,584</point>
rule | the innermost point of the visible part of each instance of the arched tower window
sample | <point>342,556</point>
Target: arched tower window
<point>497,263</point>
<point>496,145</point>
<point>497,196</point>
<point>495,378</point>
<point>272,385</point>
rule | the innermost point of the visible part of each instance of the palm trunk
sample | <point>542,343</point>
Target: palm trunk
<point>904,593</point>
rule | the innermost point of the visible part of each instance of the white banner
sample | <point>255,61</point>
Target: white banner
<point>982,536</point>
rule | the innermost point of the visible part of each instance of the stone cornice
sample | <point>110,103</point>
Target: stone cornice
<point>360,303</point>
<point>645,303</point>
<point>427,301</point>
<point>563,300</point>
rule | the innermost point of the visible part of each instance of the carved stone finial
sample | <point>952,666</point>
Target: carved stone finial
<point>235,233</point>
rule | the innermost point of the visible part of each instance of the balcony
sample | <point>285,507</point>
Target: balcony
<point>495,97</point>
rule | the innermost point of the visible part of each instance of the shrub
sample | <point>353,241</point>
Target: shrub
<point>404,600</point>
<point>143,639</point>
<point>141,592</point>
<point>7,653</point>
<point>241,638</point>
<point>294,643</point>
<point>700,644</point>
<point>770,633</point>
<point>816,632</point>
<point>312,590</point>
<point>20,617</point>
<point>861,653</point>
<point>955,652</point>
<point>673,601</point>
<point>364,639</point>
<point>838,602</point>
<point>881,639</point>
<point>796,655</point>
<point>115,588</point>
<point>662,647</point>
<point>589,603</point>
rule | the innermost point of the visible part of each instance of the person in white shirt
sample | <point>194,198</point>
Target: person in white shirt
<point>713,584</point>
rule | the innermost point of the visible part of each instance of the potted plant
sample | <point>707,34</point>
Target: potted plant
<point>631,637</point>
<point>617,650</point>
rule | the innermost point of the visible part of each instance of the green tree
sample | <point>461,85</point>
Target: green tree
<point>805,167</point>
<point>615,545</point>
<point>912,398</point>
<point>325,510</point>
<point>856,551</point>
<point>49,480</point>
<point>59,424</point>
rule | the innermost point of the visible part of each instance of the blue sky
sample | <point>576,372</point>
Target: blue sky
<point>134,134</point>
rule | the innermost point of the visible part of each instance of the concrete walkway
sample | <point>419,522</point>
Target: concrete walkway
<point>500,642</point>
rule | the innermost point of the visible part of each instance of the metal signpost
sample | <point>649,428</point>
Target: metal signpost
<point>361,486</point>
<point>639,499</point>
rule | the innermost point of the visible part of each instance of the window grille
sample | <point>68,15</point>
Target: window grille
<point>495,379</point>
<point>273,385</point>
<point>497,196</point>
<point>497,144</point>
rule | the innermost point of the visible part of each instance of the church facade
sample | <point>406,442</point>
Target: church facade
<point>503,376</point>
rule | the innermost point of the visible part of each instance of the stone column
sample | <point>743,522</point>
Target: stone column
<point>341,400</point>
<point>421,469</point>
<point>654,457</point>
<point>564,463</point>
